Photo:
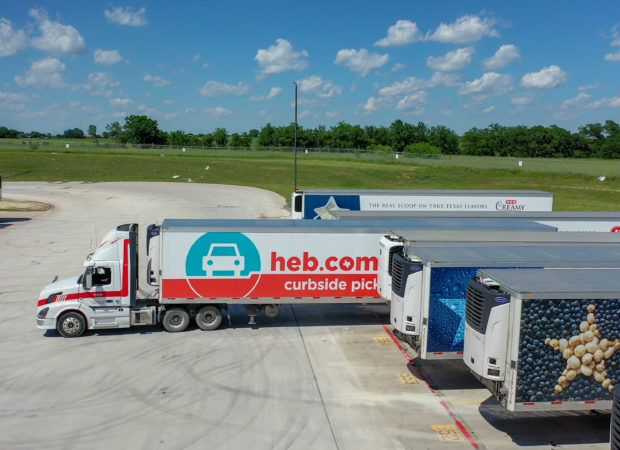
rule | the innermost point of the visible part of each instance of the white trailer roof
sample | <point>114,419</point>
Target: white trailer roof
<point>458,193</point>
<point>557,283</point>
<point>511,255</point>
<point>525,215</point>
<point>348,226</point>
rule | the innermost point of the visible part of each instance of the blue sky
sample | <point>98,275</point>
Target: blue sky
<point>197,66</point>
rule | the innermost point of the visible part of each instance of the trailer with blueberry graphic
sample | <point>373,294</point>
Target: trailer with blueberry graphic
<point>545,339</point>
<point>429,284</point>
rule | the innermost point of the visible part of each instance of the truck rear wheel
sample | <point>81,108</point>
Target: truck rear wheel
<point>71,324</point>
<point>209,318</point>
<point>175,320</point>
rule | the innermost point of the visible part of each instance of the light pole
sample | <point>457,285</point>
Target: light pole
<point>295,141</point>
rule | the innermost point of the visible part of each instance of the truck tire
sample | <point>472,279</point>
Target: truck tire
<point>175,319</point>
<point>209,318</point>
<point>71,324</point>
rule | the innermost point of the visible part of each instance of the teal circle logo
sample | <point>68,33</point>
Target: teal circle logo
<point>222,255</point>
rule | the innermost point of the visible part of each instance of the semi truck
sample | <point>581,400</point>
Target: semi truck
<point>198,267</point>
<point>600,221</point>
<point>429,285</point>
<point>320,203</point>
<point>394,242</point>
<point>546,339</point>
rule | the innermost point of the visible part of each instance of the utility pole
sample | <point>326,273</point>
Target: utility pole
<point>295,141</point>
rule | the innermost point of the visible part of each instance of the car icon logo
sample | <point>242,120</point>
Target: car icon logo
<point>223,260</point>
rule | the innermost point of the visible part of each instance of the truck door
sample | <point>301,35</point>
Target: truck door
<point>104,298</point>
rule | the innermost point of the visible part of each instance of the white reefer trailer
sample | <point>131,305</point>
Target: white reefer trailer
<point>545,339</point>
<point>429,285</point>
<point>320,203</point>
<point>201,266</point>
<point>600,221</point>
<point>393,243</point>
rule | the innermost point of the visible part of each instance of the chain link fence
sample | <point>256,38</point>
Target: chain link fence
<point>590,167</point>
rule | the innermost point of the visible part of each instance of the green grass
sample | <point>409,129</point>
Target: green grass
<point>274,171</point>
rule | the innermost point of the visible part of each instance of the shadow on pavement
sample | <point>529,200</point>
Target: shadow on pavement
<point>555,428</point>
<point>8,221</point>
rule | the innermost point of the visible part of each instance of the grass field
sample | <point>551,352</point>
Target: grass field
<point>274,171</point>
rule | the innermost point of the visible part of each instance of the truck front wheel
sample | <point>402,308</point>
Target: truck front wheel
<point>209,318</point>
<point>71,324</point>
<point>175,320</point>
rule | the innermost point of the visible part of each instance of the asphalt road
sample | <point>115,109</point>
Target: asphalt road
<point>318,376</point>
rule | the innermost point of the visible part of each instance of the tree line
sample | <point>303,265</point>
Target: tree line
<point>593,140</point>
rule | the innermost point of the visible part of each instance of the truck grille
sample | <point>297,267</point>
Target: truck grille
<point>474,307</point>
<point>480,300</point>
<point>397,249</point>
<point>401,269</point>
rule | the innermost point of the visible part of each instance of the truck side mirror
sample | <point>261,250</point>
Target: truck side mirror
<point>88,278</point>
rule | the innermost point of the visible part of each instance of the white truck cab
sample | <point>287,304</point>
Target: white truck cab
<point>103,296</point>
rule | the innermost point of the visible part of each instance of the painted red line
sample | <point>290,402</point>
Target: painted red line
<point>451,413</point>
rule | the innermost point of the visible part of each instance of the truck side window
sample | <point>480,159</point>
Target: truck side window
<point>102,276</point>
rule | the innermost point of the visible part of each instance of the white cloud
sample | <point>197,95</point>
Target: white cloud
<point>576,102</point>
<point>107,57</point>
<point>333,114</point>
<point>613,102</point>
<point>168,102</point>
<point>55,38</point>
<point>406,86</point>
<point>613,57</point>
<point>216,113</point>
<point>547,78</point>
<point>125,15</point>
<point>375,104</point>
<point>309,84</point>
<point>100,83</point>
<point>451,61</point>
<point>523,99</point>
<point>170,116</point>
<point>45,72</point>
<point>196,57</point>
<point>589,87</point>
<point>466,29</point>
<point>502,57</point>
<point>615,35</point>
<point>120,102</point>
<point>402,33</point>
<point>414,102</point>
<point>215,88</point>
<point>280,58</point>
<point>397,67</point>
<point>11,41</point>
<point>440,79</point>
<point>322,88</point>
<point>14,102</point>
<point>190,110</point>
<point>488,109</point>
<point>491,84</point>
<point>273,93</point>
<point>156,80</point>
<point>360,61</point>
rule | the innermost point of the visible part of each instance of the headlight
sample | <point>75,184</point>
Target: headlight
<point>43,313</point>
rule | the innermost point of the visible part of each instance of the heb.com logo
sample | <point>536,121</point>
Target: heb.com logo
<point>509,205</point>
<point>222,255</point>
<point>615,229</point>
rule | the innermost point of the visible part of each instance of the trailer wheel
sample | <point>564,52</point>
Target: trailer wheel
<point>71,324</point>
<point>175,320</point>
<point>209,318</point>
